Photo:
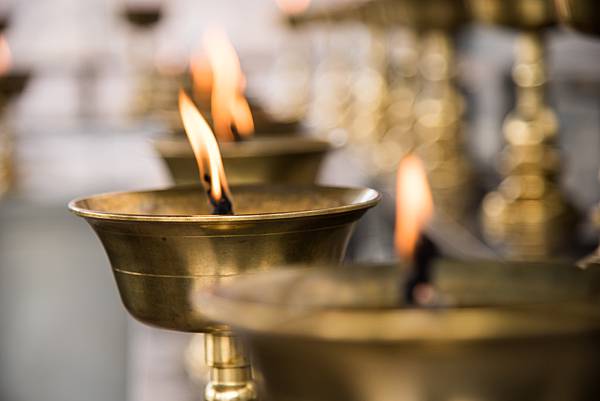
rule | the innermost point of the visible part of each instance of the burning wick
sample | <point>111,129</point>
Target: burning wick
<point>414,210</point>
<point>221,77</point>
<point>208,156</point>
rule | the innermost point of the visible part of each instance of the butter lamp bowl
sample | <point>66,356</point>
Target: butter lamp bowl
<point>499,331</point>
<point>165,245</point>
<point>278,159</point>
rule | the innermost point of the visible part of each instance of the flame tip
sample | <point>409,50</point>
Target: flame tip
<point>218,74</point>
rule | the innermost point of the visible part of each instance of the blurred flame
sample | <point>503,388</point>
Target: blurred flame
<point>414,205</point>
<point>202,76</point>
<point>229,107</point>
<point>292,7</point>
<point>5,56</point>
<point>204,145</point>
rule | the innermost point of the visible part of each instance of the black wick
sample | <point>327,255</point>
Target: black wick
<point>426,252</point>
<point>222,206</point>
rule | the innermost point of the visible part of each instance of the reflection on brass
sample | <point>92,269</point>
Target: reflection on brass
<point>528,212</point>
<point>289,160</point>
<point>164,246</point>
<point>519,332</point>
<point>582,15</point>
<point>223,349</point>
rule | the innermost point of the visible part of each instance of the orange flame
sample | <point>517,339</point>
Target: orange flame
<point>204,145</point>
<point>229,107</point>
<point>292,7</point>
<point>202,76</point>
<point>5,56</point>
<point>414,205</point>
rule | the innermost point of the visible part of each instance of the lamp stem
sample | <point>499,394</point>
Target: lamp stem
<point>230,370</point>
<point>527,211</point>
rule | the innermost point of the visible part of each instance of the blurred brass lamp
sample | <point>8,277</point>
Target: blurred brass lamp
<point>492,332</point>
<point>165,245</point>
<point>278,159</point>
<point>527,213</point>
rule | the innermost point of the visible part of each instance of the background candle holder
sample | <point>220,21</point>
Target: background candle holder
<point>527,213</point>
<point>490,334</point>
<point>584,16</point>
<point>164,246</point>
<point>281,159</point>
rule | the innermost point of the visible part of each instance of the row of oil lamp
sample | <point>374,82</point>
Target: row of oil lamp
<point>527,215</point>
<point>435,329</point>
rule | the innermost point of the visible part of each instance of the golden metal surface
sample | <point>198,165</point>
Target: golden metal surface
<point>285,159</point>
<point>508,331</point>
<point>582,15</point>
<point>164,246</point>
<point>519,14</point>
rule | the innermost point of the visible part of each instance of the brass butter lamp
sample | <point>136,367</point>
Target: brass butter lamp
<point>282,159</point>
<point>528,212</point>
<point>249,155</point>
<point>496,331</point>
<point>165,245</point>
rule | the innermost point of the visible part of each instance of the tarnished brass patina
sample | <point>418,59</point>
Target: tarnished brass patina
<point>165,246</point>
<point>282,159</point>
<point>582,15</point>
<point>520,332</point>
